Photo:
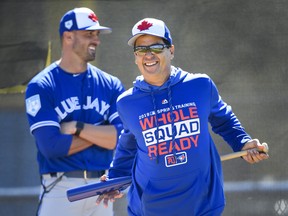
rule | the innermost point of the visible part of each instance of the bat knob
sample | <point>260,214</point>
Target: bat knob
<point>265,148</point>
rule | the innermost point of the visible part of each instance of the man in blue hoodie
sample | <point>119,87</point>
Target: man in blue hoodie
<point>166,146</point>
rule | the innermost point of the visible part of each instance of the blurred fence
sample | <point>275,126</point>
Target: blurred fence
<point>241,44</point>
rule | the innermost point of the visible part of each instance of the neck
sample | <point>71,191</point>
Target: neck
<point>71,66</point>
<point>158,81</point>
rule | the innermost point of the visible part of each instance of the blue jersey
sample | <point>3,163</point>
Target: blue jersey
<point>167,148</point>
<point>54,96</point>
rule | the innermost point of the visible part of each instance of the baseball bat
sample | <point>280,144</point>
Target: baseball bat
<point>98,188</point>
<point>243,153</point>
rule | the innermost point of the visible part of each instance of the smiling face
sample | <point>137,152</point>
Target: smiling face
<point>85,43</point>
<point>155,67</point>
<point>78,48</point>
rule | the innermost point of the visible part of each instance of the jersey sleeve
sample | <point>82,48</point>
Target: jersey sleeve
<point>114,118</point>
<point>225,123</point>
<point>39,107</point>
<point>44,123</point>
<point>117,89</point>
<point>51,143</point>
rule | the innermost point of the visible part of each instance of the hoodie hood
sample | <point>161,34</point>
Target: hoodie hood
<point>176,76</point>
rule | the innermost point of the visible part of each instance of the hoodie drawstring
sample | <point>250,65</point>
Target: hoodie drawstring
<point>156,122</point>
<point>173,129</point>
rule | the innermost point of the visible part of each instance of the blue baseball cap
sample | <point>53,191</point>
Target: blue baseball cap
<point>150,26</point>
<point>81,19</point>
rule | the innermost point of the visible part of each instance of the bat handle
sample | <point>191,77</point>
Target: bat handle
<point>243,153</point>
<point>234,155</point>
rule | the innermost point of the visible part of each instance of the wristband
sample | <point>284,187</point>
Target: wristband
<point>79,128</point>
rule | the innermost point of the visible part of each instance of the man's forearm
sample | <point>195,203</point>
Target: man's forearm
<point>104,136</point>
<point>78,144</point>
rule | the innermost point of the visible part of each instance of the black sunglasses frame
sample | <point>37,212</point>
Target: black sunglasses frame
<point>154,48</point>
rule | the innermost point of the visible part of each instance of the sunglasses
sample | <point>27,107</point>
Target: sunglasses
<point>155,49</point>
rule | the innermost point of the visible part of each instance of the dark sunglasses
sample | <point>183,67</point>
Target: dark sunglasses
<point>155,48</point>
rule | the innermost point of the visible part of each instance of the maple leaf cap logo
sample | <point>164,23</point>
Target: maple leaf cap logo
<point>93,17</point>
<point>145,25</point>
<point>150,26</point>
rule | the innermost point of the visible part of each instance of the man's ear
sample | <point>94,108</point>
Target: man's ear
<point>135,59</point>
<point>67,35</point>
<point>172,51</point>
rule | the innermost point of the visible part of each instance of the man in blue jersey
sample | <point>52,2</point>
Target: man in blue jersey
<point>166,146</point>
<point>71,109</point>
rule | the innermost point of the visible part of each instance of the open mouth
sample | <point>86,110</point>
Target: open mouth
<point>149,64</point>
<point>92,49</point>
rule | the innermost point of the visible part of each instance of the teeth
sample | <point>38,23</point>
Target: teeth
<point>92,47</point>
<point>151,63</point>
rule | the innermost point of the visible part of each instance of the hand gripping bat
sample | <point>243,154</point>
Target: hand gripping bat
<point>243,153</point>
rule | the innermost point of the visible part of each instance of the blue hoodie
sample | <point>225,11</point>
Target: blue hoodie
<point>174,171</point>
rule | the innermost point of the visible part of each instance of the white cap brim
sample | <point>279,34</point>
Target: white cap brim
<point>102,29</point>
<point>132,40</point>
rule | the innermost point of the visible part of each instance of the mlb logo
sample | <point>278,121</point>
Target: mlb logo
<point>68,24</point>
<point>33,105</point>
<point>171,160</point>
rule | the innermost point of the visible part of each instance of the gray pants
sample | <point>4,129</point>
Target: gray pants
<point>56,202</point>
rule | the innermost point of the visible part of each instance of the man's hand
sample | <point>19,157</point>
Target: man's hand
<point>255,153</point>
<point>110,196</point>
<point>68,127</point>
